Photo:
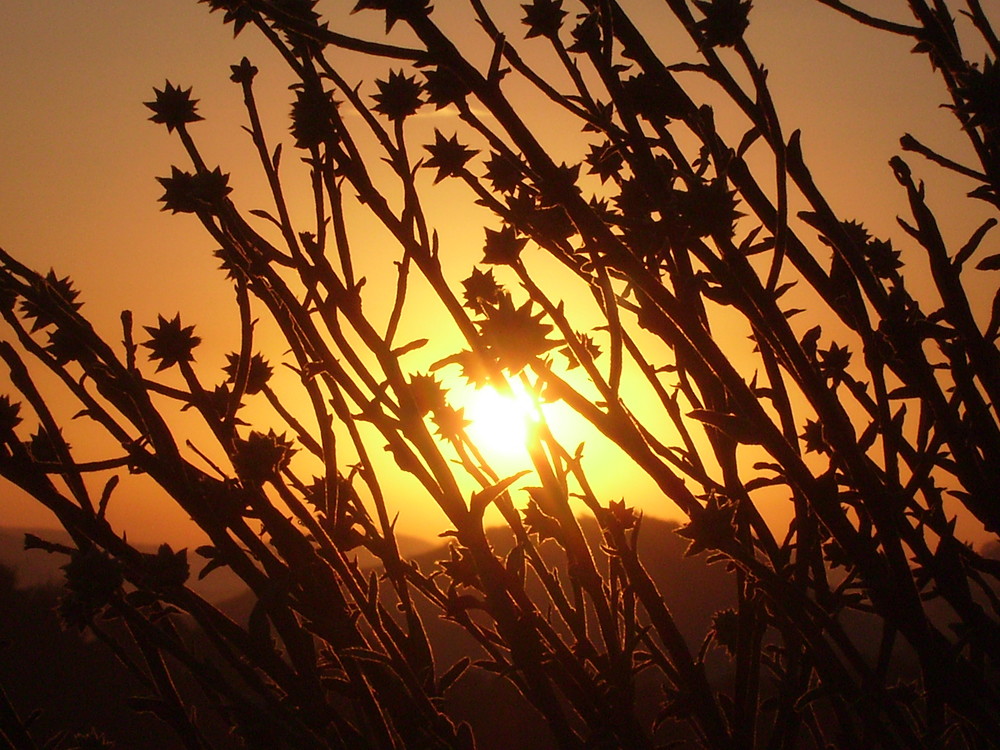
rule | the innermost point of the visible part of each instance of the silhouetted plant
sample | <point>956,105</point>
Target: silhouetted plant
<point>875,425</point>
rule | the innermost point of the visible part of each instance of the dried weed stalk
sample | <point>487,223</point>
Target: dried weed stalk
<point>876,426</point>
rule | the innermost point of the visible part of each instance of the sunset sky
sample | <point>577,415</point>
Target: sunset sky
<point>79,156</point>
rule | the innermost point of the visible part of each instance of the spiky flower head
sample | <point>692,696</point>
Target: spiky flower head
<point>262,457</point>
<point>504,172</point>
<point>170,342</point>
<point>244,72</point>
<point>48,295</point>
<point>712,528</point>
<point>166,569</point>
<point>543,18</point>
<point>724,22</point>
<point>977,94</point>
<point>314,117</point>
<point>92,580</point>
<point>444,87</point>
<point>503,246</point>
<point>186,193</point>
<point>42,447</point>
<point>428,393</point>
<point>515,335</point>
<point>399,96</point>
<point>9,414</point>
<point>448,156</point>
<point>258,372</point>
<point>237,12</point>
<point>481,291</point>
<point>173,107</point>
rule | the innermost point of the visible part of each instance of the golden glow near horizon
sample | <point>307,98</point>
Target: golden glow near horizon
<point>76,144</point>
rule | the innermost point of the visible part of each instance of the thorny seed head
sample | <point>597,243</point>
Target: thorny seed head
<point>92,580</point>
<point>237,12</point>
<point>633,200</point>
<point>398,97</point>
<point>186,193</point>
<point>47,296</point>
<point>977,94</point>
<point>543,18</point>
<point>481,291</point>
<point>514,335</point>
<point>428,393</point>
<point>587,35</point>
<point>546,219</point>
<point>314,117</point>
<point>725,629</point>
<point>448,156</point>
<point>244,72</point>
<point>712,528</point>
<point>724,22</point>
<point>882,258</point>
<point>42,448</point>
<point>173,107</point>
<point>536,521</point>
<point>9,415</point>
<point>656,98</point>
<point>812,436</point>
<point>834,362</point>
<point>589,346</point>
<point>503,246</point>
<point>504,172</point>
<point>258,373</point>
<point>708,209</point>
<point>262,457</point>
<point>444,87</point>
<point>624,516</point>
<point>65,347</point>
<point>166,569</point>
<point>605,160</point>
<point>461,568</point>
<point>450,422</point>
<point>474,369</point>
<point>170,342</point>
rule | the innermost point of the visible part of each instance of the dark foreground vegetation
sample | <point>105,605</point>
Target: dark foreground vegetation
<point>864,406</point>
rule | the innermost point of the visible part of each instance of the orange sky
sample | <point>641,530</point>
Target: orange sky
<point>79,156</point>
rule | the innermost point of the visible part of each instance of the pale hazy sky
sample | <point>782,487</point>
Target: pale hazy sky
<point>78,156</point>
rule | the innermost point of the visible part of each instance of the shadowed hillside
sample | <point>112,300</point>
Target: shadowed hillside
<point>500,717</point>
<point>69,682</point>
<point>41,659</point>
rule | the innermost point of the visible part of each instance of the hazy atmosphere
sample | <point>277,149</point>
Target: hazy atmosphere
<point>486,374</point>
<point>80,157</point>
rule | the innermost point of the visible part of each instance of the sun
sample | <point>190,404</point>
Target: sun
<point>500,423</point>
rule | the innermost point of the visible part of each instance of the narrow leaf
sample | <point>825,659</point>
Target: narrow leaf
<point>989,263</point>
<point>481,500</point>
<point>106,495</point>
<point>973,244</point>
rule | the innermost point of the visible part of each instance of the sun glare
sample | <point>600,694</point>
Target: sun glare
<point>499,422</point>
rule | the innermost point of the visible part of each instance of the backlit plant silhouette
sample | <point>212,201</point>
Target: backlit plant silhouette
<point>868,413</point>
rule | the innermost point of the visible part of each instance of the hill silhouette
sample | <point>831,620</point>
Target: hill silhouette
<point>501,718</point>
<point>62,680</point>
<point>76,683</point>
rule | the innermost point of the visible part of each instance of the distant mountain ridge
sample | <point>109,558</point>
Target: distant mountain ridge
<point>39,568</point>
<point>692,590</point>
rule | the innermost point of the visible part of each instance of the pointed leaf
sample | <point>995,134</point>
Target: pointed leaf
<point>481,500</point>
